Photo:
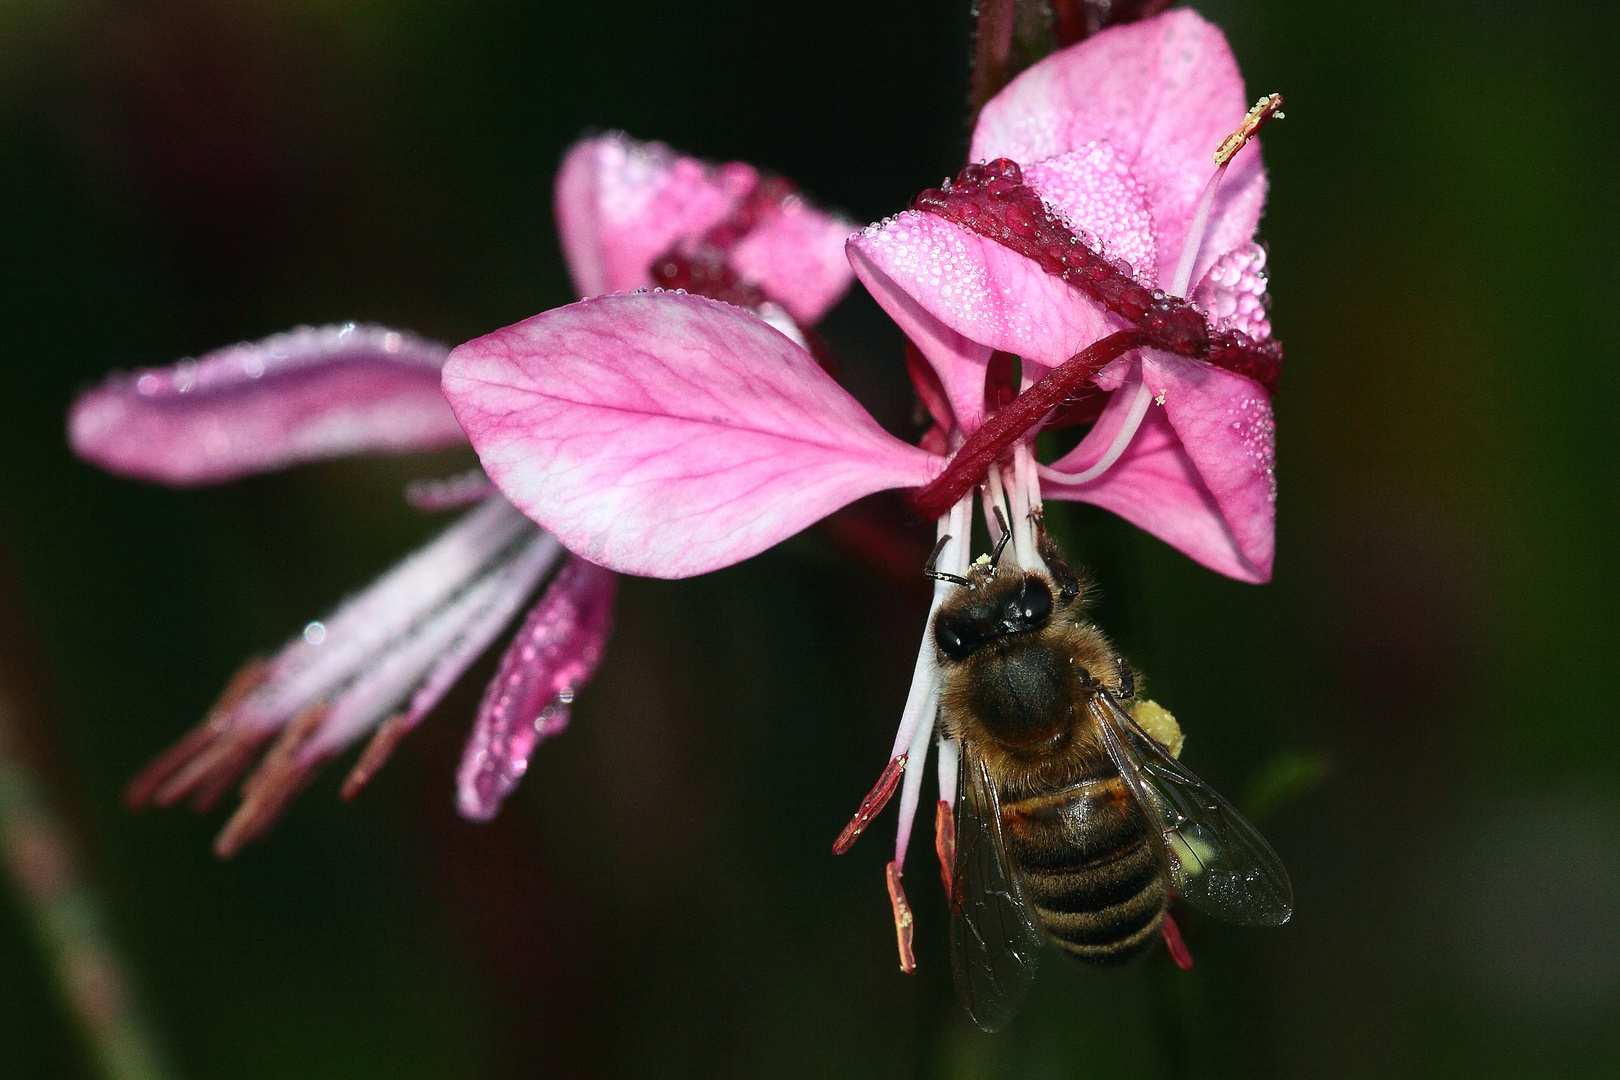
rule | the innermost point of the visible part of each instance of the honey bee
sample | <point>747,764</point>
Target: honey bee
<point>1073,823</point>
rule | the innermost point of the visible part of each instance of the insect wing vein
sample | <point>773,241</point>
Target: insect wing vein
<point>1218,862</point>
<point>995,945</point>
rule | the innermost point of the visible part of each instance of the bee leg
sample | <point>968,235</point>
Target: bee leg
<point>1127,679</point>
<point>938,575</point>
<point>1067,582</point>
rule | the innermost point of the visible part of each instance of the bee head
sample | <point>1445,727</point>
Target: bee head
<point>993,607</point>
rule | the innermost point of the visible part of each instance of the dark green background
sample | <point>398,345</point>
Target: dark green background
<point>659,898</point>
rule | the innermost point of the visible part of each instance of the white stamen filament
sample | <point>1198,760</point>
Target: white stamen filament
<point>922,702</point>
<point>433,653</point>
<point>1023,524</point>
<point>995,499</point>
<point>911,786</point>
<point>1195,235</point>
<point>1141,399</point>
<point>369,624</point>
<point>950,754</point>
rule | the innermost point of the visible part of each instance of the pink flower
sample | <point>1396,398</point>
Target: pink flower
<point>630,214</point>
<point>671,435</point>
<point>1114,136</point>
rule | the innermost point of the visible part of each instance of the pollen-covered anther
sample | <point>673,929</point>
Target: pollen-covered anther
<point>872,805</point>
<point>903,924</point>
<point>1265,110</point>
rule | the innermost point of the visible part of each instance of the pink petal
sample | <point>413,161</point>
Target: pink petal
<point>1164,91</point>
<point>975,288</point>
<point>1200,472</point>
<point>553,655</point>
<point>1095,190</point>
<point>797,256</point>
<point>621,203</point>
<point>665,434</point>
<point>308,394</point>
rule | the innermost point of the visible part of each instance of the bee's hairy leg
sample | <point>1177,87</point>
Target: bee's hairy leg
<point>939,575</point>
<point>1067,582</point>
<point>1127,679</point>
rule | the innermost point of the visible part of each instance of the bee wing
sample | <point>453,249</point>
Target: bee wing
<point>995,945</point>
<point>1218,862</point>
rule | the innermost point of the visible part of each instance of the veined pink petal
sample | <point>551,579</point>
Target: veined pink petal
<point>621,203</point>
<point>553,655</point>
<point>1164,91</point>
<point>1200,472</point>
<point>975,288</point>
<point>668,435</point>
<point>797,256</point>
<point>304,395</point>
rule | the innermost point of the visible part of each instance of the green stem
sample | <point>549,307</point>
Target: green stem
<point>44,865</point>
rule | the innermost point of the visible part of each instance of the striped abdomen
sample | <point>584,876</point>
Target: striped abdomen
<point>1089,865</point>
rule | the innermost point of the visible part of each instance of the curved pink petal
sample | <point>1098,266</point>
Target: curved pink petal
<point>958,361</point>
<point>796,255</point>
<point>1096,192</point>
<point>1200,472</point>
<point>1164,91</point>
<point>554,654</point>
<point>308,394</point>
<point>668,435</point>
<point>976,288</point>
<point>621,203</point>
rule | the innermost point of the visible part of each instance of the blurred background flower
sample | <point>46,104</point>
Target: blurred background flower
<point>659,898</point>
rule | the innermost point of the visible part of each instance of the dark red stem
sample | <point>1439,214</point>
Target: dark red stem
<point>999,432</point>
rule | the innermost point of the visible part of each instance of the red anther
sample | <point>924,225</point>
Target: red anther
<point>1012,423</point>
<point>1172,941</point>
<point>281,775</point>
<point>871,806</point>
<point>903,928</point>
<point>945,848</point>
<point>199,740</point>
<point>389,734</point>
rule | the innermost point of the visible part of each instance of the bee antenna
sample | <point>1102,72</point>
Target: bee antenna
<point>939,575</point>
<point>1001,545</point>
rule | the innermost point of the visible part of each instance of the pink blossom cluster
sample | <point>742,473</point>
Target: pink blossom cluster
<point>677,420</point>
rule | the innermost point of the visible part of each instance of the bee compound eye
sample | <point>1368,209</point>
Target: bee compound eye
<point>1037,602</point>
<point>948,636</point>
